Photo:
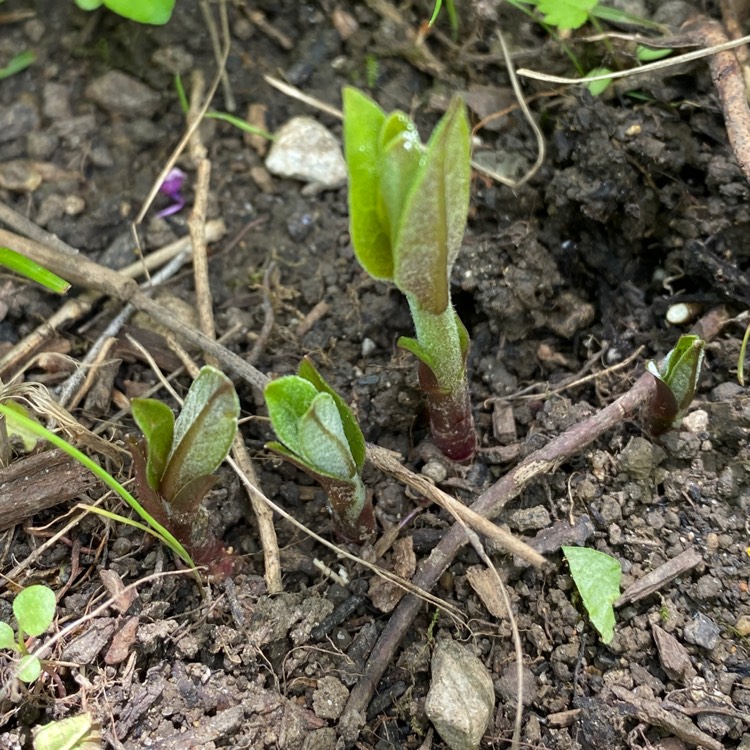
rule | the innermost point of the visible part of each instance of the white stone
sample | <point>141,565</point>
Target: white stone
<point>461,698</point>
<point>305,150</point>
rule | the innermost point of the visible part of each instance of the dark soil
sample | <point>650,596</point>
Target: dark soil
<point>639,202</point>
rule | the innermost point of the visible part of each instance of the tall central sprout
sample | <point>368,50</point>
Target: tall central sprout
<point>408,204</point>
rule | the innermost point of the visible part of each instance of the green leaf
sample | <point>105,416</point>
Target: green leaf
<point>354,436</point>
<point>66,734</point>
<point>34,608</point>
<point>363,121</point>
<point>566,14</point>
<point>88,4</point>
<point>322,440</point>
<point>16,64</point>
<point>155,12</point>
<point>31,270</point>
<point>432,223</point>
<point>413,346</point>
<point>156,421</point>
<point>29,668</point>
<point>204,431</point>
<point>649,54</point>
<point>400,154</point>
<point>7,637</point>
<point>597,577</point>
<point>598,87</point>
<point>287,400</point>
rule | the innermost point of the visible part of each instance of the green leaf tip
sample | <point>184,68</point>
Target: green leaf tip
<point>597,578</point>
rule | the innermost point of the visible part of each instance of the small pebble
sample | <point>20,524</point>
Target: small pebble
<point>435,470</point>
<point>121,94</point>
<point>306,150</point>
<point>702,631</point>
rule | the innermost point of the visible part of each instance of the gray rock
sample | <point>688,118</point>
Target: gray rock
<point>305,150</point>
<point>121,94</point>
<point>461,697</point>
<point>17,120</point>
<point>330,698</point>
<point>637,458</point>
<point>526,519</point>
<point>702,631</point>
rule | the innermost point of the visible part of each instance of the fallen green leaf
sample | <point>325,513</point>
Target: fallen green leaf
<point>597,577</point>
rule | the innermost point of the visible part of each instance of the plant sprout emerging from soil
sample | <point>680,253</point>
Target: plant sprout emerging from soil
<point>319,434</point>
<point>175,470</point>
<point>408,205</point>
<point>676,380</point>
<point>34,608</point>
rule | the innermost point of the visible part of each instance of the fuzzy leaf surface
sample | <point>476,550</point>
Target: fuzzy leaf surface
<point>34,608</point>
<point>203,432</point>
<point>433,220</point>
<point>363,121</point>
<point>597,577</point>
<point>323,441</point>
<point>156,421</point>
<point>354,436</point>
<point>64,734</point>
<point>288,399</point>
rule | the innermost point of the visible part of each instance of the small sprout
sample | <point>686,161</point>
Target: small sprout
<point>319,433</point>
<point>676,381</point>
<point>34,609</point>
<point>408,205</point>
<point>172,188</point>
<point>175,471</point>
<point>597,578</point>
<point>596,88</point>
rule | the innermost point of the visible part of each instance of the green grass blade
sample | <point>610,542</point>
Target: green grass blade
<point>239,123</point>
<point>18,63</point>
<point>27,268</point>
<point>158,530</point>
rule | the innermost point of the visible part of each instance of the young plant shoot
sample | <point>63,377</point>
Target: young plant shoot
<point>408,205</point>
<point>34,608</point>
<point>319,434</point>
<point>676,381</point>
<point>174,471</point>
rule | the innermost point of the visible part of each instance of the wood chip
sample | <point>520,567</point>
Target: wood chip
<point>483,581</point>
<point>674,658</point>
<point>661,576</point>
<point>37,482</point>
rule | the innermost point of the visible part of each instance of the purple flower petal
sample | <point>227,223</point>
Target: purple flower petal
<point>171,188</point>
